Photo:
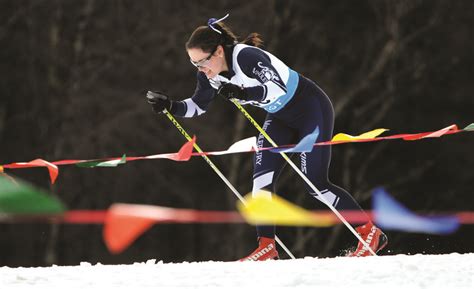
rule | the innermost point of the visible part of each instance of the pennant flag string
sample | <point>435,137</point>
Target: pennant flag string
<point>242,146</point>
<point>88,217</point>
<point>124,223</point>
<point>183,154</point>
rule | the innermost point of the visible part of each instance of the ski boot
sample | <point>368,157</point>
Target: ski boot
<point>372,235</point>
<point>266,251</point>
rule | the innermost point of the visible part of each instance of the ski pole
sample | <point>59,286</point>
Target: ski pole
<point>302,175</point>
<point>218,172</point>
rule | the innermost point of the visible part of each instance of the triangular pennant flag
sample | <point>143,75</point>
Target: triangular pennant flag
<point>124,223</point>
<point>113,163</point>
<point>244,145</point>
<point>275,210</point>
<point>441,132</point>
<point>305,145</point>
<point>469,127</point>
<point>102,163</point>
<point>52,169</point>
<point>21,198</point>
<point>122,227</point>
<point>438,133</point>
<point>184,154</point>
<point>367,135</point>
<point>5,175</point>
<point>389,214</point>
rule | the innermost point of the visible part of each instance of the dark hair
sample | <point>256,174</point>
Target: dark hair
<point>207,39</point>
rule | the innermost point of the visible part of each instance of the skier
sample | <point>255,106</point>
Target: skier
<point>295,106</point>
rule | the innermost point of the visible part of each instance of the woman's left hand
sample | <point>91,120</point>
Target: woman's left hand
<point>229,90</point>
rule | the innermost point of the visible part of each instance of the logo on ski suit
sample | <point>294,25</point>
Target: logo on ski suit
<point>266,74</point>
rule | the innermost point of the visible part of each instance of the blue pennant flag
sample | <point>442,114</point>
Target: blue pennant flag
<point>304,146</point>
<point>389,214</point>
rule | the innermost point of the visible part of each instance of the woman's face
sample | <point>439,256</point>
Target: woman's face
<point>211,63</point>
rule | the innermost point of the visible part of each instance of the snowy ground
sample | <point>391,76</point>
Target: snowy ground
<point>400,271</point>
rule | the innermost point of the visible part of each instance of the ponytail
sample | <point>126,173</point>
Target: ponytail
<point>254,39</point>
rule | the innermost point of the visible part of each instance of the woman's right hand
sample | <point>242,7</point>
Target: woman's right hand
<point>159,101</point>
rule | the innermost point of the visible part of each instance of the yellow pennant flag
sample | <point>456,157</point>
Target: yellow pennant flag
<point>278,211</point>
<point>368,135</point>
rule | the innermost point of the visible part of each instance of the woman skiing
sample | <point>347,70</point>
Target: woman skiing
<point>295,106</point>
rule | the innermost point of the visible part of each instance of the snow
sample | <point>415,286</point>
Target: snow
<point>381,272</point>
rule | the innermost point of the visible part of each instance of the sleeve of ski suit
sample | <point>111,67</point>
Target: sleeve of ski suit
<point>199,102</point>
<point>254,63</point>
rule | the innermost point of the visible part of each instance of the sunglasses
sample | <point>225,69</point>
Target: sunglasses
<point>204,62</point>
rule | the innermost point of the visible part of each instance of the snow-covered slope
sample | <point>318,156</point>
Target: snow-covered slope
<point>400,271</point>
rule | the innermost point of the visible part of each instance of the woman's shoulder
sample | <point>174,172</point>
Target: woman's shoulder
<point>244,48</point>
<point>244,52</point>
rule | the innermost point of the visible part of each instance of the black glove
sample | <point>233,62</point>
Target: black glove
<point>229,91</point>
<point>159,101</point>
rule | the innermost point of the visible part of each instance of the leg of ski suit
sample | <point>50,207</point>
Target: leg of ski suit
<point>309,108</point>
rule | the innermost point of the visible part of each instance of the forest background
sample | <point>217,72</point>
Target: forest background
<point>73,85</point>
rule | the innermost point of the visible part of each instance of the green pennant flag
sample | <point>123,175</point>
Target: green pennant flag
<point>93,164</point>
<point>469,127</point>
<point>21,198</point>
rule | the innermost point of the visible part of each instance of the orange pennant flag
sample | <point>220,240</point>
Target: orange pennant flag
<point>122,227</point>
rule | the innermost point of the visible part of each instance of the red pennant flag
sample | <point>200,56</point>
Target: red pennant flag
<point>53,169</point>
<point>450,129</point>
<point>184,153</point>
